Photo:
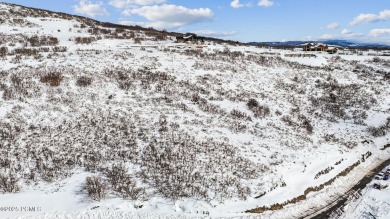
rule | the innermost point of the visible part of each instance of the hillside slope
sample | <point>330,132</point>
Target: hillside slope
<point>107,118</point>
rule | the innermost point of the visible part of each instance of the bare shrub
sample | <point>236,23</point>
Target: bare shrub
<point>17,59</point>
<point>169,166</point>
<point>52,78</point>
<point>306,125</point>
<point>60,49</point>
<point>9,182</point>
<point>261,111</point>
<point>288,120</point>
<point>240,115</point>
<point>322,172</point>
<point>96,188</point>
<point>376,59</point>
<point>44,49</point>
<point>381,130</point>
<point>3,51</point>
<point>359,116</point>
<point>137,40</point>
<point>84,81</point>
<point>123,184</point>
<point>36,41</point>
<point>339,162</point>
<point>336,99</point>
<point>161,36</point>
<point>84,40</point>
<point>252,103</point>
<point>26,51</point>
<point>21,86</point>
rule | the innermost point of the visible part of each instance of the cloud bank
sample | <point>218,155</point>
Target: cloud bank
<point>371,18</point>
<point>91,9</point>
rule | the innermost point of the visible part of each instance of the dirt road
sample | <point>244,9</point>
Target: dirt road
<point>336,207</point>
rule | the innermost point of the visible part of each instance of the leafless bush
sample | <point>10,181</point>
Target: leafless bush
<point>260,111</point>
<point>252,103</point>
<point>206,106</point>
<point>3,51</point>
<point>161,37</point>
<point>127,78</point>
<point>36,41</point>
<point>52,78</point>
<point>359,116</point>
<point>44,49</point>
<point>381,130</point>
<point>96,188</point>
<point>123,184</point>
<point>288,120</point>
<point>84,81</point>
<point>331,138</point>
<point>376,59</point>
<point>322,172</point>
<point>336,99</point>
<point>9,182</point>
<point>21,86</point>
<point>339,162</point>
<point>84,40</point>
<point>17,59</point>
<point>59,49</point>
<point>168,165</point>
<point>137,40</point>
<point>240,115</point>
<point>305,123</point>
<point>26,51</point>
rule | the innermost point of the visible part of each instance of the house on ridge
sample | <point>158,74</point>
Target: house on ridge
<point>190,39</point>
<point>319,47</point>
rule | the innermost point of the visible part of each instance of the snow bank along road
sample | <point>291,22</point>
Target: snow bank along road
<point>336,207</point>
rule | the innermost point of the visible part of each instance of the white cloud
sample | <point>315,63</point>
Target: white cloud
<point>172,16</point>
<point>364,18</point>
<point>379,32</point>
<point>212,33</point>
<point>327,37</point>
<point>126,12</point>
<point>371,18</point>
<point>236,4</point>
<point>90,9</point>
<point>131,3</point>
<point>333,26</point>
<point>345,32</point>
<point>265,3</point>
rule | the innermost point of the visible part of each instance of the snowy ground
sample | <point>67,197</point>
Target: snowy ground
<point>372,203</point>
<point>179,122</point>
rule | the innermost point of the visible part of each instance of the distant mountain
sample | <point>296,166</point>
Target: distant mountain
<point>342,43</point>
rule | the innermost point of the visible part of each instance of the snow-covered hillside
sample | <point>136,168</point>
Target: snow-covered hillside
<point>98,119</point>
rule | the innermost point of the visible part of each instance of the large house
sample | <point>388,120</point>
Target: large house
<point>190,39</point>
<point>319,47</point>
<point>307,47</point>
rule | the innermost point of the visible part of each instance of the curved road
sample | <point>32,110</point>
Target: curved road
<point>336,208</point>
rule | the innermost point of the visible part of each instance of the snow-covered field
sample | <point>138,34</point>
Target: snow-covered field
<point>169,132</point>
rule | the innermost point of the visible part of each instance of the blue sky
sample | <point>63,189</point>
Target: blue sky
<point>243,20</point>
